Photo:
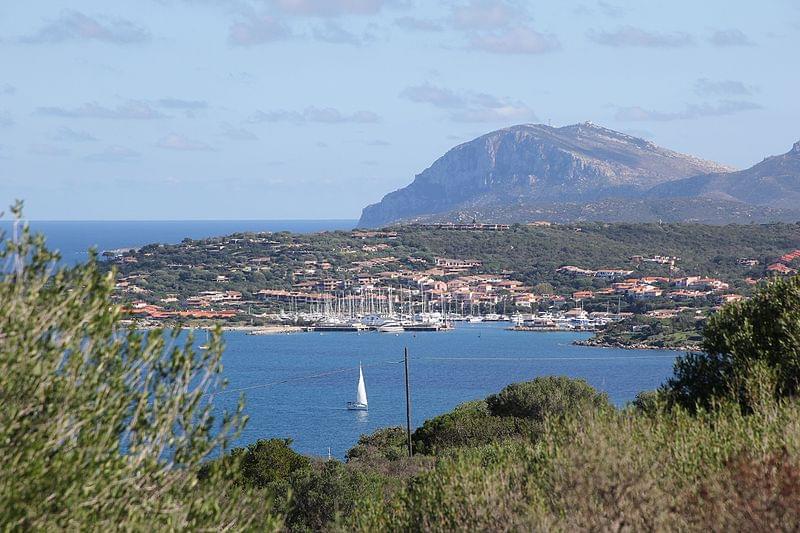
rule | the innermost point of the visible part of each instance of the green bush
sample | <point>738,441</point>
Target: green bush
<point>387,443</point>
<point>650,402</point>
<point>546,397</point>
<point>469,424</point>
<point>263,464</point>
<point>328,492</point>
<point>268,461</point>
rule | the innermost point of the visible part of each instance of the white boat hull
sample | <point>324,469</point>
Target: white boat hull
<point>355,406</point>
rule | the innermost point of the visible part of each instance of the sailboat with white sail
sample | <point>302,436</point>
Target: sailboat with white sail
<point>207,343</point>
<point>361,394</point>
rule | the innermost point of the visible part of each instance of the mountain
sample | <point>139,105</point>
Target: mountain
<point>775,182</point>
<point>536,165</point>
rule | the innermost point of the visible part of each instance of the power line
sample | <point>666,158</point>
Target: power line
<point>299,378</point>
<point>534,359</point>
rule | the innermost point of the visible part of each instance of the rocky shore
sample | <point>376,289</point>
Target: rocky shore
<point>597,343</point>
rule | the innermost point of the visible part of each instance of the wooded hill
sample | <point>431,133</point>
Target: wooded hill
<point>531,254</point>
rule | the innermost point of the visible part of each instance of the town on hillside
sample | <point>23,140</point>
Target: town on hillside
<point>427,277</point>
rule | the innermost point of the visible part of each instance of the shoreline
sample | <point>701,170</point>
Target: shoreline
<point>265,330</point>
<point>269,329</point>
<point>635,346</point>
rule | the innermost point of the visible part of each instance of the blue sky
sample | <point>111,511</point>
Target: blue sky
<point>265,109</point>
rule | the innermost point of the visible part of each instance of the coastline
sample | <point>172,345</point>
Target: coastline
<point>593,343</point>
<point>272,329</point>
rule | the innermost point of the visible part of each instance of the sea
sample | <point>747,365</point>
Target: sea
<point>297,385</point>
<point>74,238</point>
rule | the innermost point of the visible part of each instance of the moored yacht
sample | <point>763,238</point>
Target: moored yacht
<point>391,326</point>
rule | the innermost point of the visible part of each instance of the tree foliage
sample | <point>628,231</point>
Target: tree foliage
<point>101,427</point>
<point>267,463</point>
<point>747,346</point>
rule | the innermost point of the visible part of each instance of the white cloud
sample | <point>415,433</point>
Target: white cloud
<point>693,111</point>
<point>72,25</point>
<point>130,110</point>
<point>470,107</point>
<point>417,24</point>
<point>68,134</point>
<point>331,32</point>
<point>731,37</point>
<point>186,105</point>
<point>485,15</point>
<point>325,115</point>
<point>600,8</point>
<point>180,143</point>
<point>258,29</point>
<point>237,134</point>
<point>331,8</point>
<point>431,94</point>
<point>488,108</point>
<point>113,154</point>
<point>631,36</point>
<point>707,87</point>
<point>610,10</point>
<point>515,40</point>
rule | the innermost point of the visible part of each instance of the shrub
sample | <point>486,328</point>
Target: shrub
<point>260,465</point>
<point>650,402</point>
<point>469,424</point>
<point>752,494</point>
<point>327,492</point>
<point>387,443</point>
<point>546,397</point>
<point>484,488</point>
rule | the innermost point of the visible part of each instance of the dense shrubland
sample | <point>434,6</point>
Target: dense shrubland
<point>102,427</point>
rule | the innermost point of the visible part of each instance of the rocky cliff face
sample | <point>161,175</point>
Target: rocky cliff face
<point>536,164</point>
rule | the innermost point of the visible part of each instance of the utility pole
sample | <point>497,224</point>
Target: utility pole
<point>408,404</point>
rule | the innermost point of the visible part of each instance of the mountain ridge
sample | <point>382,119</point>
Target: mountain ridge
<point>774,182</point>
<point>588,172</point>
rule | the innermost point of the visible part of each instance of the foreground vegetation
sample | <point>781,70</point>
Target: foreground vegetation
<point>107,428</point>
<point>102,427</point>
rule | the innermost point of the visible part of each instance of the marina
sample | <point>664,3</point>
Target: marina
<point>385,312</point>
